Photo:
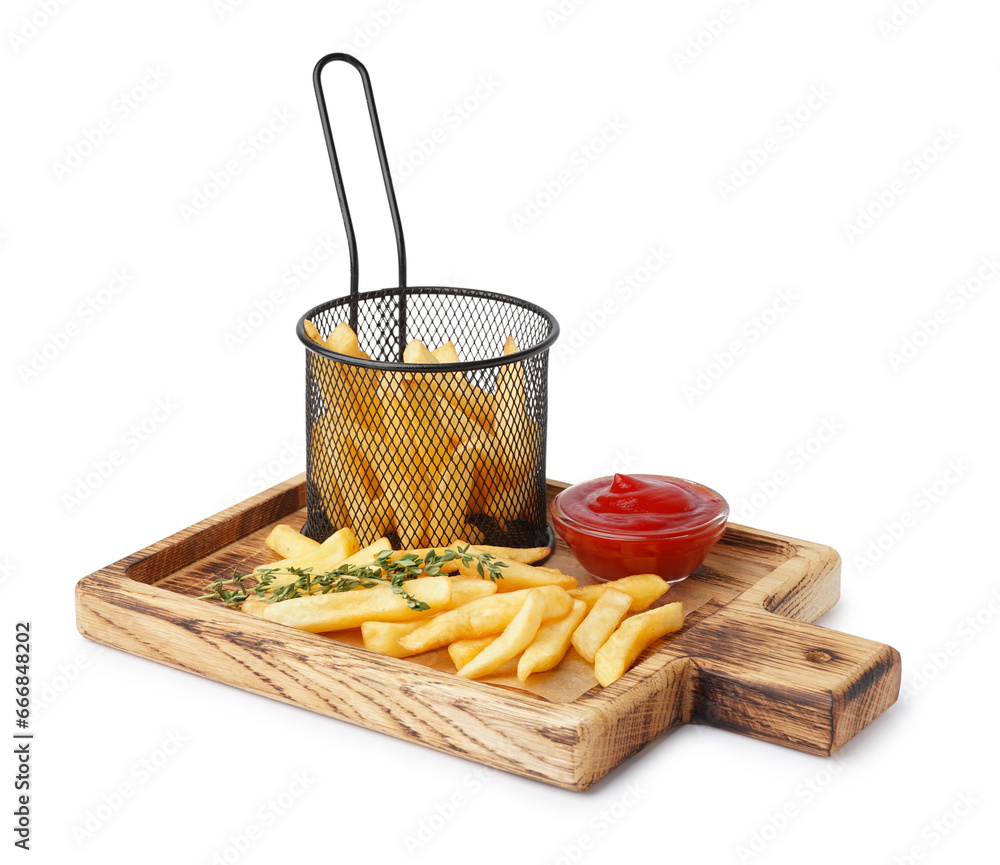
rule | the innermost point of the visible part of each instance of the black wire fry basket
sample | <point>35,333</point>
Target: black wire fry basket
<point>426,407</point>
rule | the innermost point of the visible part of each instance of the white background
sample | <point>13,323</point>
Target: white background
<point>908,462</point>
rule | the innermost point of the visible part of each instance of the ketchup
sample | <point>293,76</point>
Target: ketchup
<point>640,524</point>
<point>642,504</point>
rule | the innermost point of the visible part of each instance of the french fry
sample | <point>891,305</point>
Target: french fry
<point>368,509</point>
<point>481,618</point>
<point>505,484</point>
<point>511,412</point>
<point>362,557</point>
<point>339,610</point>
<point>348,387</point>
<point>517,575</point>
<point>288,543</point>
<point>254,606</point>
<point>463,411</point>
<point>343,386</point>
<point>434,441</point>
<point>600,623</point>
<point>490,472</point>
<point>414,450</point>
<point>525,555</point>
<point>515,637</point>
<point>449,501</point>
<point>417,352</point>
<point>632,637</point>
<point>369,553</point>
<point>431,505</point>
<point>515,373</point>
<point>474,403</point>
<point>551,643</point>
<point>446,353</point>
<point>313,333</point>
<point>511,494</point>
<point>463,591</point>
<point>332,553</point>
<point>463,651</point>
<point>644,589</point>
<point>383,637</point>
<point>344,340</point>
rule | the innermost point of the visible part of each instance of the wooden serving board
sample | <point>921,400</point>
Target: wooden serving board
<point>748,660</point>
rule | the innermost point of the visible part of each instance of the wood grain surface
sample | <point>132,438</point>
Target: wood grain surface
<point>748,660</point>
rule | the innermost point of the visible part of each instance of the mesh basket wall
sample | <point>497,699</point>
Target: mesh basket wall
<point>427,454</point>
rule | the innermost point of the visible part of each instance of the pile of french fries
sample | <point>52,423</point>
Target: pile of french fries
<point>416,454</point>
<point>533,612</point>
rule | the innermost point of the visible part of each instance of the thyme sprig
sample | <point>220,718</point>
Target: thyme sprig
<point>395,573</point>
<point>487,565</point>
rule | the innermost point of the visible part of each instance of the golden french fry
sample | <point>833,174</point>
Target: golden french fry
<point>368,510</point>
<point>511,394</point>
<point>288,543</point>
<point>482,617</point>
<point>417,352</point>
<point>463,591</point>
<point>254,606</point>
<point>463,651</point>
<point>510,494</point>
<point>383,637</point>
<point>347,389</point>
<point>339,610</point>
<point>474,403</point>
<point>551,643</point>
<point>505,482</point>
<point>369,553</point>
<point>313,333</point>
<point>477,405</point>
<point>362,557</point>
<point>446,353</point>
<point>606,614</point>
<point>490,474</point>
<point>517,575</point>
<point>415,448</point>
<point>524,555</point>
<point>344,340</point>
<point>332,553</point>
<point>463,411</point>
<point>449,500</point>
<point>632,637</point>
<point>644,589</point>
<point>515,637</point>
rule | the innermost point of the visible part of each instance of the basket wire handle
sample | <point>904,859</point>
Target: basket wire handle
<point>338,180</point>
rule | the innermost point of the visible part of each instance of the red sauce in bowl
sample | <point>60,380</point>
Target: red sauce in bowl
<point>640,524</point>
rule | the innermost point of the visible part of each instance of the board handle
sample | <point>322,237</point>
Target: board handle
<point>785,681</point>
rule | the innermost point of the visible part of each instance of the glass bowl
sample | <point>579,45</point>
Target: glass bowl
<point>614,552</point>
